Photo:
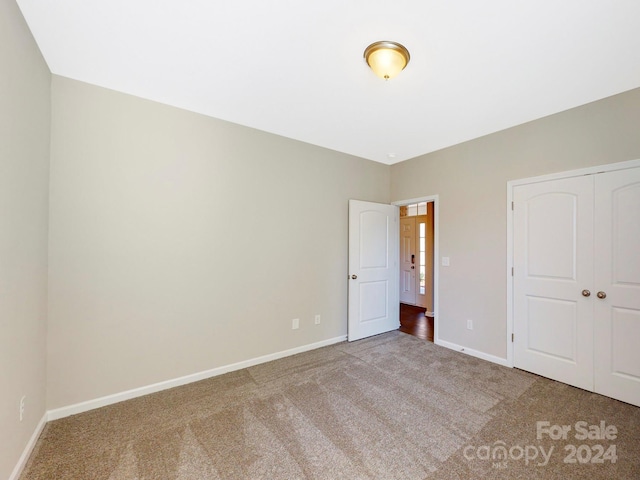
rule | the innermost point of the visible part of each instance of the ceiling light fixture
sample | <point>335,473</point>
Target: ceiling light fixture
<point>386,59</point>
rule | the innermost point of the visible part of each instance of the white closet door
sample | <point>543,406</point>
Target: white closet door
<point>617,266</point>
<point>553,264</point>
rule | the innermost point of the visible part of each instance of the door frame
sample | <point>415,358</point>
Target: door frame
<point>436,242</point>
<point>511,184</point>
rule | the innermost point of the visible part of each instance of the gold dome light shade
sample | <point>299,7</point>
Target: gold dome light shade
<point>386,59</point>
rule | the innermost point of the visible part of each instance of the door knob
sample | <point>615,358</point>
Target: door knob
<point>601,295</point>
<point>353,277</point>
<point>586,293</point>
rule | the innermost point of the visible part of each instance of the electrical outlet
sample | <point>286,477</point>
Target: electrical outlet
<point>23,401</point>
<point>317,320</point>
<point>445,261</point>
<point>295,324</point>
<point>470,324</point>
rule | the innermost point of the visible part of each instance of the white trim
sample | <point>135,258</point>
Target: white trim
<point>509,274</point>
<point>511,184</point>
<point>428,314</point>
<point>176,382</point>
<point>436,253</point>
<point>474,353</point>
<point>24,458</point>
<point>610,167</point>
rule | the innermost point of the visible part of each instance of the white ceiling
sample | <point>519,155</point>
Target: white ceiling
<point>295,68</point>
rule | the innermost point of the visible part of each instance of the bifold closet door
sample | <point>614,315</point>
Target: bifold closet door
<point>576,244</point>
<point>553,277</point>
<point>617,279</point>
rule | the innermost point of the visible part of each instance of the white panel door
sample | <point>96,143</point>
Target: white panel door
<point>617,266</point>
<point>373,269</point>
<point>408,260</point>
<point>553,264</point>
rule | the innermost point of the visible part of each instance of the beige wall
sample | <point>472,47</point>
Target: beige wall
<point>471,179</point>
<point>24,157</point>
<point>180,243</point>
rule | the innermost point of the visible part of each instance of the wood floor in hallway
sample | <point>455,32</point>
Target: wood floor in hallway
<point>414,322</point>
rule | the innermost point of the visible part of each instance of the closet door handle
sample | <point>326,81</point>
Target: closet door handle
<point>586,293</point>
<point>601,295</point>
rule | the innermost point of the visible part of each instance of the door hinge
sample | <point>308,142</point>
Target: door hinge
<point>512,337</point>
<point>512,206</point>
<point>512,271</point>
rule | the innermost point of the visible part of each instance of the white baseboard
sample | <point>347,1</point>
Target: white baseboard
<point>176,382</point>
<point>22,462</point>
<point>473,353</point>
<point>429,314</point>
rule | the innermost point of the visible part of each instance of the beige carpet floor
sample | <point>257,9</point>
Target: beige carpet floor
<point>387,407</point>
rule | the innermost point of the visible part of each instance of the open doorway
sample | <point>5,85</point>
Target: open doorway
<point>416,269</point>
